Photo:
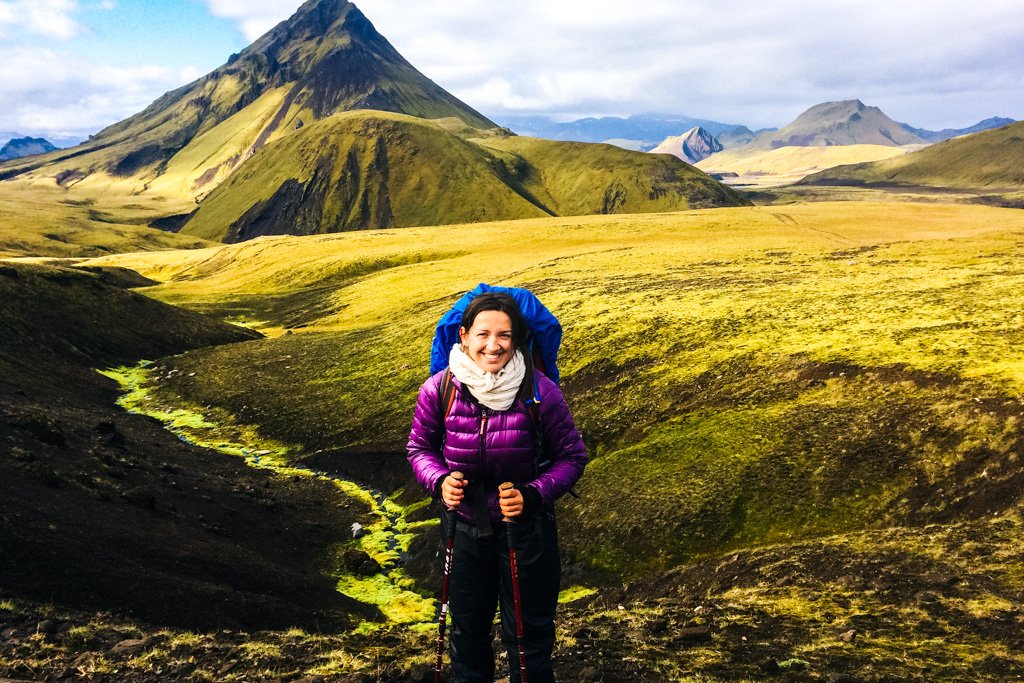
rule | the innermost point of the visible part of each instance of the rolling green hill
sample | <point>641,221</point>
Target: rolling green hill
<point>988,161</point>
<point>359,170</point>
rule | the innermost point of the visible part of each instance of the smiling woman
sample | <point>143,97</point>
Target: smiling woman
<point>492,418</point>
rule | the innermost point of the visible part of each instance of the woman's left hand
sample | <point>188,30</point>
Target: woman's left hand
<point>511,502</point>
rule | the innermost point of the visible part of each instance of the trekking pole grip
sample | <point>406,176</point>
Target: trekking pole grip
<point>505,487</point>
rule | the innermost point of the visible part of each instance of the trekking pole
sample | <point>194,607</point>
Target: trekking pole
<point>448,551</point>
<point>513,566</point>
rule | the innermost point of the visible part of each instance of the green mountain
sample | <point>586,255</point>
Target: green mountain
<point>847,122</point>
<point>326,58</point>
<point>364,169</point>
<point>321,126</point>
<point>989,160</point>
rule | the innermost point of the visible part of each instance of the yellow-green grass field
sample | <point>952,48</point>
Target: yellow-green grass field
<point>748,375</point>
<point>41,218</point>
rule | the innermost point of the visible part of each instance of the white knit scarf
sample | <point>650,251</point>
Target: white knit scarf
<point>496,390</point>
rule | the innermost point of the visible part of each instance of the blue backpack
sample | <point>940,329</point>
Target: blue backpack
<point>545,330</point>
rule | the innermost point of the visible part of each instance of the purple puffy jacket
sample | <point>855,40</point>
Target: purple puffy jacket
<point>492,446</point>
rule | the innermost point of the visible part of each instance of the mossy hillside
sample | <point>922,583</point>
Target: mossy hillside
<point>388,530</point>
<point>917,604</point>
<point>989,160</point>
<point>375,170</point>
<point>761,374</point>
<point>383,170</point>
<point>215,153</point>
<point>108,511</point>
<point>90,319</point>
<point>575,178</point>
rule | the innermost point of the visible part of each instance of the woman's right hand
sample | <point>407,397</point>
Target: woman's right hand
<point>451,489</point>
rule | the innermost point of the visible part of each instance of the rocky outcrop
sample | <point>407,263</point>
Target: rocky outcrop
<point>692,146</point>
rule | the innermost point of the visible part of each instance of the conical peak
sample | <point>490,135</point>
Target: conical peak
<point>317,28</point>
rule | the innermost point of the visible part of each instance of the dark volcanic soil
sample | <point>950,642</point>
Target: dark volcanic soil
<point>102,510</point>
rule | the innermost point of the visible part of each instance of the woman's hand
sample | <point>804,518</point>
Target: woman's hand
<point>451,489</point>
<point>511,501</point>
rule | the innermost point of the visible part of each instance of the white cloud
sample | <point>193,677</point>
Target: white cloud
<point>50,18</point>
<point>48,90</point>
<point>253,17</point>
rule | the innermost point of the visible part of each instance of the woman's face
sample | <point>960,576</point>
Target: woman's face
<point>489,341</point>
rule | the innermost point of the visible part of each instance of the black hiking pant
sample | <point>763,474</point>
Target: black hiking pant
<point>481,581</point>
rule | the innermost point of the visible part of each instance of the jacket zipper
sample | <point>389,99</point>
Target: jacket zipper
<point>483,441</point>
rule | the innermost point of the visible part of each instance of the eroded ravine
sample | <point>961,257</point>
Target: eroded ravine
<point>385,539</point>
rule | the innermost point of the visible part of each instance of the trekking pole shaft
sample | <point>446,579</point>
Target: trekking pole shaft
<point>442,619</point>
<point>513,567</point>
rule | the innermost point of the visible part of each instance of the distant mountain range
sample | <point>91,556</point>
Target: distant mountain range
<point>641,131</point>
<point>843,122</point>
<point>948,133</point>
<point>23,147</point>
<point>846,134</point>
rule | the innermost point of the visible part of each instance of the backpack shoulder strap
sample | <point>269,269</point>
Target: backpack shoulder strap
<point>540,459</point>
<point>540,462</point>
<point>447,394</point>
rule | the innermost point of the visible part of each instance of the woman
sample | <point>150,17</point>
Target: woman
<point>490,436</point>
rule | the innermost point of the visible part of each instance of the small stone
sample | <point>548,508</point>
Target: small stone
<point>927,597</point>
<point>848,636</point>
<point>769,665</point>
<point>357,530</point>
<point>46,626</point>
<point>128,647</point>
<point>589,674</point>
<point>105,427</point>
<point>694,634</point>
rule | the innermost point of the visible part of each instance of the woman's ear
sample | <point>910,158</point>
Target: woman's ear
<point>462,335</point>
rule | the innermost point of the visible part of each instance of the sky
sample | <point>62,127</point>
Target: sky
<point>71,67</point>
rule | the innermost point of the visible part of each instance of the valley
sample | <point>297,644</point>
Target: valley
<point>817,400</point>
